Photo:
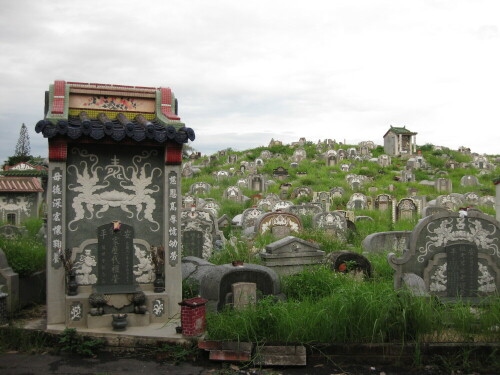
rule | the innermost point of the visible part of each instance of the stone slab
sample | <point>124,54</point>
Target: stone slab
<point>281,356</point>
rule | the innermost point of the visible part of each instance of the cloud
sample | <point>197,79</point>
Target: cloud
<point>320,70</point>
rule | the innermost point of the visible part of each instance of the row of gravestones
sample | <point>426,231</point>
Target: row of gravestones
<point>448,255</point>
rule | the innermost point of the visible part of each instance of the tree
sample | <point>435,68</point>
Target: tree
<point>23,149</point>
<point>23,143</point>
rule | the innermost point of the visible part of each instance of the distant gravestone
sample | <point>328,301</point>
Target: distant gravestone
<point>249,218</point>
<point>469,181</point>
<point>200,233</point>
<point>304,209</point>
<point>487,200</point>
<point>452,256</point>
<point>303,191</point>
<point>333,223</point>
<point>10,231</point>
<point>406,209</point>
<point>280,173</point>
<point>115,259</point>
<point>451,201</point>
<point>431,210</point>
<point>384,160</point>
<point>279,224</point>
<point>444,185</point>
<point>357,201</point>
<point>471,198</point>
<point>291,254</point>
<point>322,198</point>
<point>233,193</point>
<point>383,202</point>
<point>337,192</point>
<point>200,188</point>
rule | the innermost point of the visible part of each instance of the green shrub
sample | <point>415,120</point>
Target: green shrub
<point>25,255</point>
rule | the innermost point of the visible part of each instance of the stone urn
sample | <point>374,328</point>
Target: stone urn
<point>119,322</point>
<point>159,283</point>
<point>72,284</point>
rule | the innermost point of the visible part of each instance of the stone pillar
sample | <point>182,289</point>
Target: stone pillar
<point>56,232</point>
<point>497,201</point>
<point>172,233</point>
<point>400,144</point>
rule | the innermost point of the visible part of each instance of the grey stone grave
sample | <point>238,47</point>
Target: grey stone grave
<point>431,210</point>
<point>454,256</point>
<point>333,223</point>
<point>211,205</point>
<point>323,198</point>
<point>282,205</point>
<point>395,241</point>
<point>10,231</point>
<point>200,188</point>
<point>337,192</point>
<point>249,219</point>
<point>266,154</point>
<point>279,224</point>
<point>299,155</point>
<point>215,283</point>
<point>384,160</point>
<point>444,185</point>
<point>200,233</point>
<point>357,201</point>
<point>451,201</point>
<point>349,262</point>
<point>383,202</point>
<point>290,255</point>
<point>280,173</point>
<point>256,182</point>
<point>234,193</point>
<point>305,209</point>
<point>487,200</point>
<point>406,209</point>
<point>469,180</point>
<point>303,191</point>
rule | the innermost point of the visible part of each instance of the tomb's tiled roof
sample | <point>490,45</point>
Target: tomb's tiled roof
<point>92,110</point>
<point>20,184</point>
<point>399,130</point>
<point>138,129</point>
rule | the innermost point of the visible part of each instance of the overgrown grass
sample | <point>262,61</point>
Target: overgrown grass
<point>329,307</point>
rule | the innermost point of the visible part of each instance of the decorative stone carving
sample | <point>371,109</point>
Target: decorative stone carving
<point>455,254</point>
<point>280,224</point>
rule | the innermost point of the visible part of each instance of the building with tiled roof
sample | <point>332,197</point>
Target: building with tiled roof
<point>20,198</point>
<point>400,141</point>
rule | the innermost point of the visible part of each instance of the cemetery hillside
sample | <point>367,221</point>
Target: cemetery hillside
<point>128,236</point>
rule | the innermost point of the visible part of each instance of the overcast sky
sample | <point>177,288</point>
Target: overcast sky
<point>248,71</point>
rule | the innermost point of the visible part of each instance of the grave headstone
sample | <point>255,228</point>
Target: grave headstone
<point>444,185</point>
<point>290,255</point>
<point>469,181</point>
<point>333,223</point>
<point>357,201</point>
<point>453,256</point>
<point>406,209</point>
<point>279,224</point>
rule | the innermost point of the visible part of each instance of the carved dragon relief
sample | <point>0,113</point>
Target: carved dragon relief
<point>472,231</point>
<point>135,192</point>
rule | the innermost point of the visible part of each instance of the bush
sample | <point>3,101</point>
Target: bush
<point>25,255</point>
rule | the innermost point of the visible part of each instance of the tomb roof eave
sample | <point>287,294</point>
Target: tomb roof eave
<point>74,128</point>
<point>399,130</point>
